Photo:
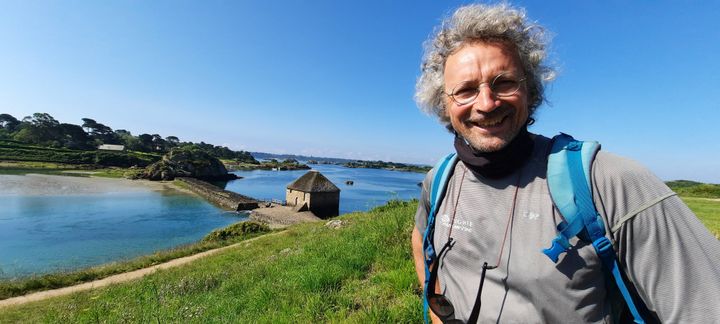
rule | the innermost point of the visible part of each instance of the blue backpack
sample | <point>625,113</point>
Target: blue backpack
<point>569,178</point>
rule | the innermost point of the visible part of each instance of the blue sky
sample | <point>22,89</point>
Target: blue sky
<point>336,78</point>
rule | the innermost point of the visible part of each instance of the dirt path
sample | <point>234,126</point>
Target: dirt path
<point>118,278</point>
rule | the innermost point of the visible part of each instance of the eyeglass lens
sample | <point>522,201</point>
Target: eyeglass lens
<point>502,85</point>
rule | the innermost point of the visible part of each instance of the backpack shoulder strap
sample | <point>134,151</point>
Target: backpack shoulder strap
<point>569,178</point>
<point>443,169</point>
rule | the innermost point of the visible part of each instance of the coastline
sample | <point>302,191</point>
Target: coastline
<point>36,184</point>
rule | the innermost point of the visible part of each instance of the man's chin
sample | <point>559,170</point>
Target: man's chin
<point>487,145</point>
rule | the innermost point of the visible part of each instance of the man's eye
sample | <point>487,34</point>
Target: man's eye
<point>465,92</point>
<point>504,84</point>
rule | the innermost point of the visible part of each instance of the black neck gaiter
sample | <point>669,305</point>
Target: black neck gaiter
<point>500,163</point>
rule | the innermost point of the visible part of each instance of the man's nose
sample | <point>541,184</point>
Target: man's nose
<point>486,100</point>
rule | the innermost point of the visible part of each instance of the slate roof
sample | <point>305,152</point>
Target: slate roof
<point>313,181</point>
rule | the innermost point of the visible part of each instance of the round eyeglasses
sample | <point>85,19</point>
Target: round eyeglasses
<point>502,85</point>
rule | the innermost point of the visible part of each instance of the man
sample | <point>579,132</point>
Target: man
<point>483,75</point>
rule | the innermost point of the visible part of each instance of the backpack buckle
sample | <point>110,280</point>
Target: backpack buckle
<point>604,248</point>
<point>559,245</point>
<point>574,146</point>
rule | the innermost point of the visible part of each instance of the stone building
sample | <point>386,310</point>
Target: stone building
<point>314,192</point>
<point>111,147</point>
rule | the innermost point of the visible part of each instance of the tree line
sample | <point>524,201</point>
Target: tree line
<point>44,130</point>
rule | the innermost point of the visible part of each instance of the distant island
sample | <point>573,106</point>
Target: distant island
<point>388,166</point>
<point>347,162</point>
<point>310,159</point>
<point>272,164</point>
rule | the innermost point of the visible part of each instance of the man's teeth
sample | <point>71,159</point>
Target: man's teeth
<point>488,123</point>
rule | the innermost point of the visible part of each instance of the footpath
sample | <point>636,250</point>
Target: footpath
<point>119,278</point>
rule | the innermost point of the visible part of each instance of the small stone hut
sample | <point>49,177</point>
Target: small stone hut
<point>314,192</point>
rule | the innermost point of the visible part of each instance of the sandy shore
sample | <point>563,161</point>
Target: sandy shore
<point>45,185</point>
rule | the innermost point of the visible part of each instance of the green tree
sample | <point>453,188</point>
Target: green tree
<point>74,137</point>
<point>100,133</point>
<point>172,141</point>
<point>44,120</point>
<point>146,144</point>
<point>8,122</point>
<point>88,124</point>
<point>41,129</point>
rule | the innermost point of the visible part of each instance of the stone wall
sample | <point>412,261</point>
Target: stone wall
<point>324,204</point>
<point>220,197</point>
<point>292,195</point>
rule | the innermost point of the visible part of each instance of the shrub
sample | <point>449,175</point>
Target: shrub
<point>237,230</point>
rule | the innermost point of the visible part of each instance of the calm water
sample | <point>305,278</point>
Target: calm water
<point>372,187</point>
<point>42,233</point>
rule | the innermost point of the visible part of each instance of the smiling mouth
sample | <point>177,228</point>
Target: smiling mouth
<point>489,122</point>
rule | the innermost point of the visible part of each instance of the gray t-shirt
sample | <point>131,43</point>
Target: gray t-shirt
<point>670,257</point>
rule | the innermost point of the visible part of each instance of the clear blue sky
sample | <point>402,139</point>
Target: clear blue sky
<point>336,78</point>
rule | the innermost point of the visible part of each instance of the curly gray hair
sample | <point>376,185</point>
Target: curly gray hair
<point>472,23</point>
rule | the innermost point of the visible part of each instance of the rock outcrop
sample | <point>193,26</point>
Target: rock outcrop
<point>187,162</point>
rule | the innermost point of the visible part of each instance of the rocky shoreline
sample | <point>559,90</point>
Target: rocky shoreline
<point>220,197</point>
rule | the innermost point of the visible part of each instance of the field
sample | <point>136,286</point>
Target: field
<point>708,211</point>
<point>17,151</point>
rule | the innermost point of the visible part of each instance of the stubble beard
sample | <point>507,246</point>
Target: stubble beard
<point>487,144</point>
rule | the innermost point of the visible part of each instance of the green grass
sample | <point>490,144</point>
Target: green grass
<point>53,168</point>
<point>708,211</point>
<point>702,190</point>
<point>688,188</point>
<point>16,151</point>
<point>361,272</point>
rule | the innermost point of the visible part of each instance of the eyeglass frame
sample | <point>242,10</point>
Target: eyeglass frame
<point>490,86</point>
<point>431,295</point>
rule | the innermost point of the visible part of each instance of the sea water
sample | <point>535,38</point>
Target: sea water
<point>47,229</point>
<point>370,188</point>
<point>54,233</point>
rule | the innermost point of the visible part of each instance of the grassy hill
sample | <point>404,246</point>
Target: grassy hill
<point>695,189</point>
<point>361,272</point>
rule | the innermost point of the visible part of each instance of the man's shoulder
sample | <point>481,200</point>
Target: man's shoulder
<point>615,169</point>
<point>622,185</point>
